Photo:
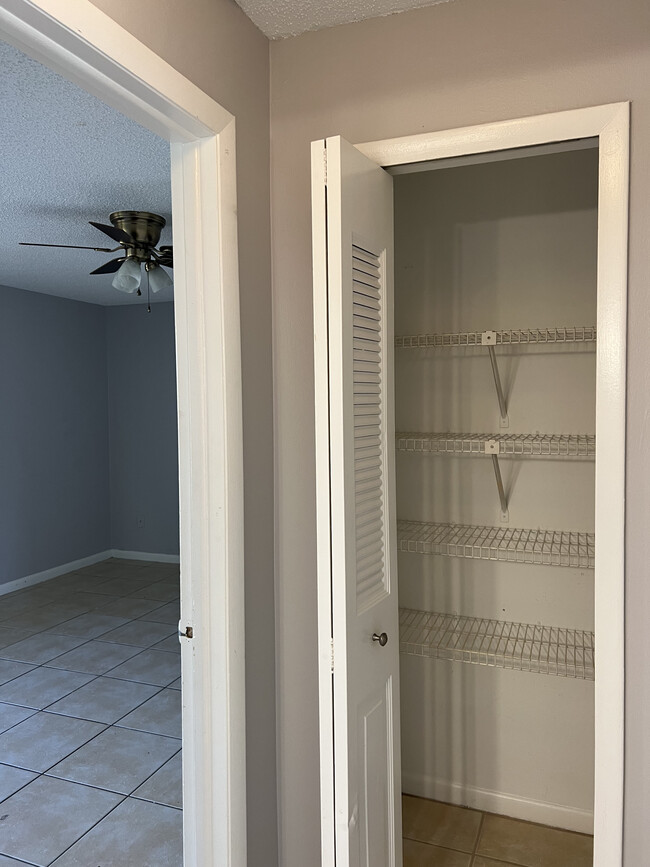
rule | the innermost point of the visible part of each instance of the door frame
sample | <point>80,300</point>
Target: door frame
<point>610,124</point>
<point>83,44</point>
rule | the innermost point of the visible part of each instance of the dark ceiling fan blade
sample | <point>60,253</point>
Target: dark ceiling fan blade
<point>113,232</point>
<point>109,267</point>
<point>166,256</point>
<point>70,247</point>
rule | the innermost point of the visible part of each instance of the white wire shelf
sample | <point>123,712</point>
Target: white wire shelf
<point>505,544</point>
<point>513,445</point>
<point>518,337</point>
<point>501,644</point>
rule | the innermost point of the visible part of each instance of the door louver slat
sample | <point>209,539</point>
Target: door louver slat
<point>368,398</point>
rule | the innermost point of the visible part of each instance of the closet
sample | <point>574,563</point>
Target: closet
<point>495,383</point>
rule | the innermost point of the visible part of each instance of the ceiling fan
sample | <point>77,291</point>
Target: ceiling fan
<point>137,234</point>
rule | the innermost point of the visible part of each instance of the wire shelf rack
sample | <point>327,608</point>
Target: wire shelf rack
<point>506,445</point>
<point>505,544</point>
<point>518,337</point>
<point>519,646</point>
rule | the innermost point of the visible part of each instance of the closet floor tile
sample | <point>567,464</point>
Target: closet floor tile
<point>425,855</point>
<point>441,824</point>
<point>528,845</point>
<point>43,819</point>
<point>479,861</point>
<point>136,832</point>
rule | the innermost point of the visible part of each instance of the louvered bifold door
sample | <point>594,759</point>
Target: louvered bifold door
<point>359,688</point>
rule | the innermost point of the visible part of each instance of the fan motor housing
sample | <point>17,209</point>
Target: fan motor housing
<point>143,226</point>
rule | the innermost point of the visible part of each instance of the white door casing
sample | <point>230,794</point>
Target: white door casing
<point>83,44</point>
<point>610,124</point>
<point>357,575</point>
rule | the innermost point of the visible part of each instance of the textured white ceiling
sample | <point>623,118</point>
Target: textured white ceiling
<point>68,158</point>
<point>281,18</point>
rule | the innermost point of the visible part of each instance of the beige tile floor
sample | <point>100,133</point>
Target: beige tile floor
<point>90,719</point>
<point>441,835</point>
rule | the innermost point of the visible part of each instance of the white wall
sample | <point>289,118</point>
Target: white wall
<point>453,64</point>
<point>504,245</point>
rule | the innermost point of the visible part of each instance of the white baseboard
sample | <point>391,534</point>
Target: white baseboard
<point>142,555</point>
<point>54,572</point>
<point>543,812</point>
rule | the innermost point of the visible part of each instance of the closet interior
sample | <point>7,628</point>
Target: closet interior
<point>495,391</point>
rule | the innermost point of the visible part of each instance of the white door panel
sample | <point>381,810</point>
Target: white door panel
<point>359,685</point>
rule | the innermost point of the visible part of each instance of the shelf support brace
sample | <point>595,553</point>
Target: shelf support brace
<point>489,339</point>
<point>492,449</point>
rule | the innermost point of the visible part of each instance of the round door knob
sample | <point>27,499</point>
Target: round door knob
<point>382,639</point>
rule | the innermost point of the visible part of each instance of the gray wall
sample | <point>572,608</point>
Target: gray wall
<point>450,65</point>
<point>54,504</point>
<point>216,46</point>
<point>143,440</point>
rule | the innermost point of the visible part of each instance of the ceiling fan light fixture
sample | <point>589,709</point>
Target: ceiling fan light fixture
<point>129,276</point>
<point>158,277</point>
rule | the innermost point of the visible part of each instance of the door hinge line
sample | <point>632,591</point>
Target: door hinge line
<point>332,655</point>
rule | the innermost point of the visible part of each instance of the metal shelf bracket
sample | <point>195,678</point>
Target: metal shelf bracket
<point>489,339</point>
<point>492,448</point>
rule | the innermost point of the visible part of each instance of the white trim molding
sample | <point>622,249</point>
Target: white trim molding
<point>541,812</point>
<point>54,572</point>
<point>610,125</point>
<point>119,554</point>
<point>74,565</point>
<point>89,48</point>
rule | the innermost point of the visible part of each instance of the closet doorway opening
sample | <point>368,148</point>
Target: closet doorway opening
<point>91,50</point>
<point>478,237</point>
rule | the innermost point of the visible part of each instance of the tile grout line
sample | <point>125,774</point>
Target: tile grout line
<point>478,836</point>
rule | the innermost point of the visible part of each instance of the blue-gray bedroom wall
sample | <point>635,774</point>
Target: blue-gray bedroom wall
<point>54,479</point>
<point>143,443</point>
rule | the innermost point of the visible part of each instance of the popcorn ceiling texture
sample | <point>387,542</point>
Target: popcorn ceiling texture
<point>68,158</point>
<point>281,18</point>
